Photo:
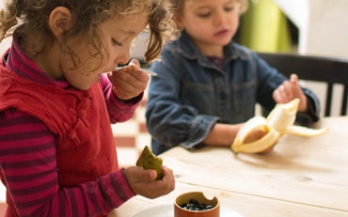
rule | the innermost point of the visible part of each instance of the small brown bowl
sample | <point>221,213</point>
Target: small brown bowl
<point>185,198</point>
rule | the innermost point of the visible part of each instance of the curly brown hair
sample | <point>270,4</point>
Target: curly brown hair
<point>30,17</point>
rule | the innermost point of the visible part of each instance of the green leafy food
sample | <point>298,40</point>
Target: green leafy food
<point>148,160</point>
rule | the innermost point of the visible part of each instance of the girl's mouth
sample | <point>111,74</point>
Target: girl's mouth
<point>221,33</point>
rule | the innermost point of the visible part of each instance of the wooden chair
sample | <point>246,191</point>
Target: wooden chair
<point>321,69</point>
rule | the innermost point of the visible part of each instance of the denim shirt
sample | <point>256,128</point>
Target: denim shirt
<point>190,93</point>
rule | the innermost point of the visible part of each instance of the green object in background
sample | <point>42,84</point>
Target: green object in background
<point>264,28</point>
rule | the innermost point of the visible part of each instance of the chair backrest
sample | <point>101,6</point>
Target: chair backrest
<point>321,69</point>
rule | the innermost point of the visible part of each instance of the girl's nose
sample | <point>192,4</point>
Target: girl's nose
<point>219,18</point>
<point>122,57</point>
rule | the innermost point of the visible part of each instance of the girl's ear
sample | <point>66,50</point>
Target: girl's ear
<point>60,20</point>
<point>178,21</point>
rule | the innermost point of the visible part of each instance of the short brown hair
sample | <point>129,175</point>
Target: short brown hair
<point>178,6</point>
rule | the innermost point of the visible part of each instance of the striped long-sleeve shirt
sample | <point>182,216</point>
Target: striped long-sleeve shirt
<point>28,159</point>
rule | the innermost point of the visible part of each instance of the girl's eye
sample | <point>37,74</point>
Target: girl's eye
<point>116,43</point>
<point>205,15</point>
<point>229,8</point>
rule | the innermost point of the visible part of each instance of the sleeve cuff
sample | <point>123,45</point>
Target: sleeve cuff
<point>200,128</point>
<point>117,188</point>
<point>311,116</point>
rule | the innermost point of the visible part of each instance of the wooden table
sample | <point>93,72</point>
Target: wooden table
<point>301,177</point>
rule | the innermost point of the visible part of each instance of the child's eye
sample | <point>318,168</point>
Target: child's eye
<point>116,43</point>
<point>205,15</point>
<point>229,8</point>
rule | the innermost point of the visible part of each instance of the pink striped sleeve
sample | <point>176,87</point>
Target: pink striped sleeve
<point>118,111</point>
<point>28,163</point>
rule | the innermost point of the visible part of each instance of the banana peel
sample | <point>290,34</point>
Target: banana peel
<point>279,122</point>
<point>147,160</point>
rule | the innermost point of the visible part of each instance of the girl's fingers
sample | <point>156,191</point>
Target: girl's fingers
<point>294,79</point>
<point>283,92</point>
<point>134,62</point>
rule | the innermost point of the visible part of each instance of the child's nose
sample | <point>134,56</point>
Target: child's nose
<point>219,18</point>
<point>122,57</point>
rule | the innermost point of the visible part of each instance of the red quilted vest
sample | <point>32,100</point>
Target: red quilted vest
<point>79,119</point>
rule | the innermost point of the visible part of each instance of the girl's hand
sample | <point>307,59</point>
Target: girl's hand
<point>290,90</point>
<point>257,134</point>
<point>143,182</point>
<point>129,82</point>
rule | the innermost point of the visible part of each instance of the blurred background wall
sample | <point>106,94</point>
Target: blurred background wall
<point>321,26</point>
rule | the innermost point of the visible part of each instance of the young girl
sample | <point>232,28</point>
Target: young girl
<point>207,85</point>
<point>57,155</point>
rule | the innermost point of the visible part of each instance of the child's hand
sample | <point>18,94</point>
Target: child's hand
<point>290,90</point>
<point>143,181</point>
<point>255,135</point>
<point>129,82</point>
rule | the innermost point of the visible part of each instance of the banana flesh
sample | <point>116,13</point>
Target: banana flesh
<point>279,122</point>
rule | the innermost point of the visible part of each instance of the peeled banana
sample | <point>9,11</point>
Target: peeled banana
<point>279,122</point>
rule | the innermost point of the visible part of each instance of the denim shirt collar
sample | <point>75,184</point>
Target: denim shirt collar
<point>190,51</point>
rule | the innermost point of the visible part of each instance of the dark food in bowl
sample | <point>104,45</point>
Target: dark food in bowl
<point>194,205</point>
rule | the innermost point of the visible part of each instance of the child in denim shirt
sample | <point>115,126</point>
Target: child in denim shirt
<point>207,85</point>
